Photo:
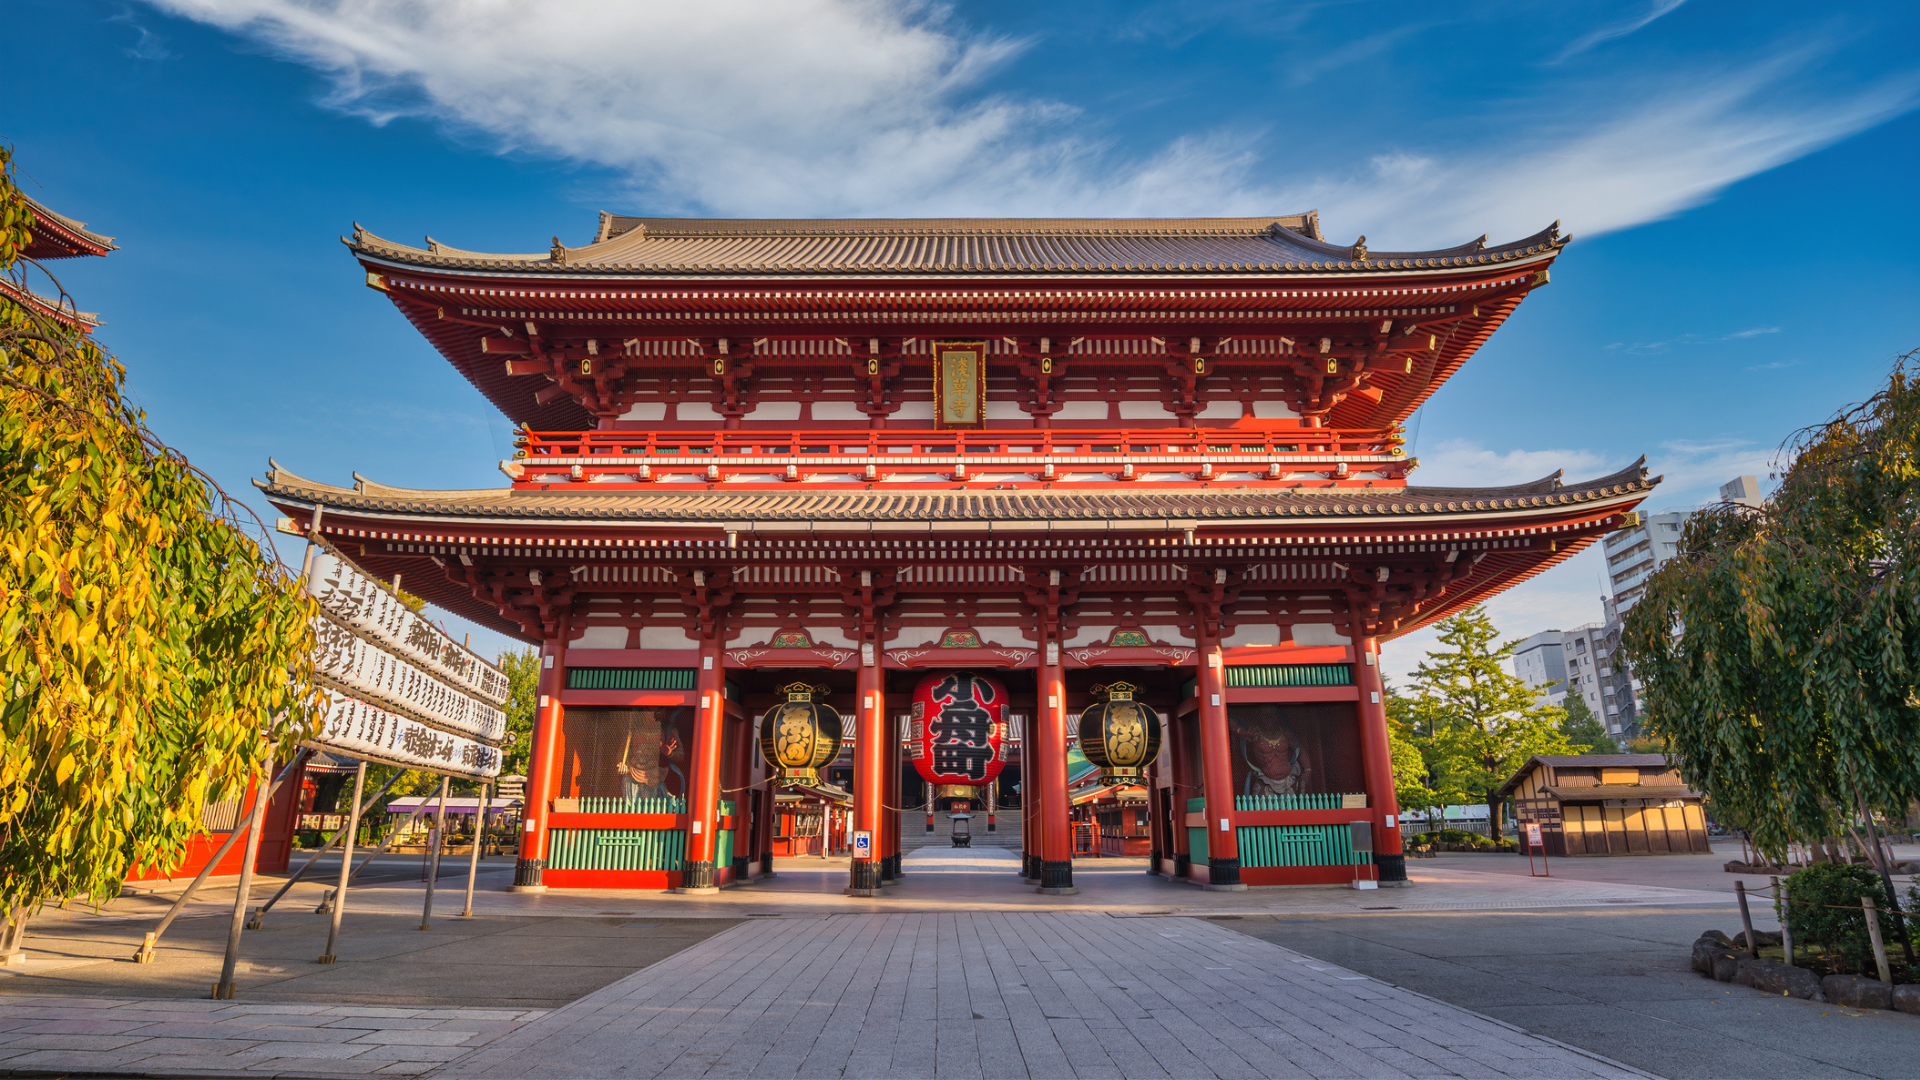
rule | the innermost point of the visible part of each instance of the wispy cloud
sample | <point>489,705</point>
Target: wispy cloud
<point>148,46</point>
<point>1620,29</point>
<point>1643,347</point>
<point>1775,366</point>
<point>873,107</point>
<point>1458,462</point>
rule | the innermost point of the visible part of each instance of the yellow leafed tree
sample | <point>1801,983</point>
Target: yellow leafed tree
<point>154,652</point>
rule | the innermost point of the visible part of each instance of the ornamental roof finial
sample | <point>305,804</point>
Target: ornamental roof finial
<point>1359,253</point>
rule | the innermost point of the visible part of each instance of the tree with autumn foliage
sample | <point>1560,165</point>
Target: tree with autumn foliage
<point>1481,721</point>
<point>155,655</point>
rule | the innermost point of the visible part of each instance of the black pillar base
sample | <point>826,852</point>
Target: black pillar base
<point>1056,875</point>
<point>1223,871</point>
<point>697,875</point>
<point>740,863</point>
<point>1182,866</point>
<point>527,871</point>
<point>865,876</point>
<point>889,867</point>
<point>1392,868</point>
<point>1026,866</point>
<point>1153,861</point>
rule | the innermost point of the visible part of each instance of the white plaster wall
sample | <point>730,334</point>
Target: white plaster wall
<point>1005,410</point>
<point>830,635</point>
<point>1317,633</point>
<point>1252,635</point>
<point>1273,410</point>
<point>666,637</point>
<point>1082,410</point>
<point>838,410</point>
<point>914,637</point>
<point>776,410</point>
<point>1089,635</point>
<point>1172,635</point>
<point>1220,410</point>
<point>1143,410</point>
<point>602,637</point>
<point>645,410</point>
<point>696,411</point>
<point>914,410</point>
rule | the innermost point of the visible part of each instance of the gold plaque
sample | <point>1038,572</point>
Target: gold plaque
<point>959,383</point>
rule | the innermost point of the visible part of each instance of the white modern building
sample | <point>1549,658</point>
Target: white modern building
<point>1540,662</point>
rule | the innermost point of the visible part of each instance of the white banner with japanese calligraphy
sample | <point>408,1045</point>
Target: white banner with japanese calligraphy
<point>367,671</point>
<point>360,602</point>
<point>368,731</point>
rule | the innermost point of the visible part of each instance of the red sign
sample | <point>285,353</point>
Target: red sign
<point>959,729</point>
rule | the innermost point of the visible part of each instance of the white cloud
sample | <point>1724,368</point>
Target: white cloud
<point>1459,462</point>
<point>1619,29</point>
<point>873,107</point>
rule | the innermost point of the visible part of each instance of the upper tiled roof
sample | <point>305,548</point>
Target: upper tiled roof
<point>907,507</point>
<point>56,236</point>
<point>1159,246</point>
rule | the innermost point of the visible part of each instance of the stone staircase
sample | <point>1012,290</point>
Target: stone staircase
<point>914,834</point>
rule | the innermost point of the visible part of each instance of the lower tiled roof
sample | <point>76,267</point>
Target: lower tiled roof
<point>708,506</point>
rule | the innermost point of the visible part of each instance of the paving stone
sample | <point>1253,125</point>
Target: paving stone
<point>415,1038</point>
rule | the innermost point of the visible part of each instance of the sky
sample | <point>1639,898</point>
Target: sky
<point>1737,176</point>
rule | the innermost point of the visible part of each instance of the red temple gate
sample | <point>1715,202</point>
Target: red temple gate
<point>1063,452</point>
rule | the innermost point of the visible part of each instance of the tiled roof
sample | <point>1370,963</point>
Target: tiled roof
<point>1159,246</point>
<point>906,507</point>
<point>57,236</point>
<point>1621,791</point>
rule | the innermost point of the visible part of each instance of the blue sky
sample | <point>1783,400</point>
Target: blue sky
<point>1738,178</point>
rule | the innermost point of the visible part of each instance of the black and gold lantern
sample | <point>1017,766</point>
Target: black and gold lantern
<point>1118,733</point>
<point>800,735</point>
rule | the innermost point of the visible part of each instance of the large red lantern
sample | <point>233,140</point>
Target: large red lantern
<point>959,730</point>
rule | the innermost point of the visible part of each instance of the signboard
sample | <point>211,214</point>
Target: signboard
<point>322,822</point>
<point>362,729</point>
<point>958,731</point>
<point>959,383</point>
<point>862,844</point>
<point>370,609</point>
<point>1533,835</point>
<point>361,669</point>
<point>396,688</point>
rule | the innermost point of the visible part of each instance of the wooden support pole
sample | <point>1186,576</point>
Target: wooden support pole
<point>545,767</point>
<point>1786,929</point>
<point>346,857</point>
<point>479,838</point>
<point>342,836</point>
<point>144,955</point>
<point>1746,919</point>
<point>890,794</point>
<point>223,990</point>
<point>703,788</point>
<point>1376,760</point>
<point>869,776</point>
<point>1873,934</point>
<point>433,858</point>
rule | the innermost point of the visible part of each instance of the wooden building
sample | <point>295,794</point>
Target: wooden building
<point>1067,451</point>
<point>1609,804</point>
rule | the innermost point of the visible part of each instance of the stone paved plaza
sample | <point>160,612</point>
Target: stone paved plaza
<point>959,971</point>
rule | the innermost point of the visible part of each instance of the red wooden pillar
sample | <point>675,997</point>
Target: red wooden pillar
<point>1216,767</point>
<point>1050,761</point>
<point>890,813</point>
<point>1179,787</point>
<point>739,769</point>
<point>703,789</point>
<point>1029,804</point>
<point>1376,757</point>
<point>544,771</point>
<point>869,775</point>
<point>1156,829</point>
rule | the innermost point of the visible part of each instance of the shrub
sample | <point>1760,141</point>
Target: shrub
<point>1825,912</point>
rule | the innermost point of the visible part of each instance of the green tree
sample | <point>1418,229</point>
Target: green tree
<point>1486,722</point>
<point>149,635</point>
<point>523,680</point>
<point>1413,775</point>
<point>1779,650</point>
<point>1584,730</point>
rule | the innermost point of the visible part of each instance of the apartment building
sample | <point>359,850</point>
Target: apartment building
<point>1541,663</point>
